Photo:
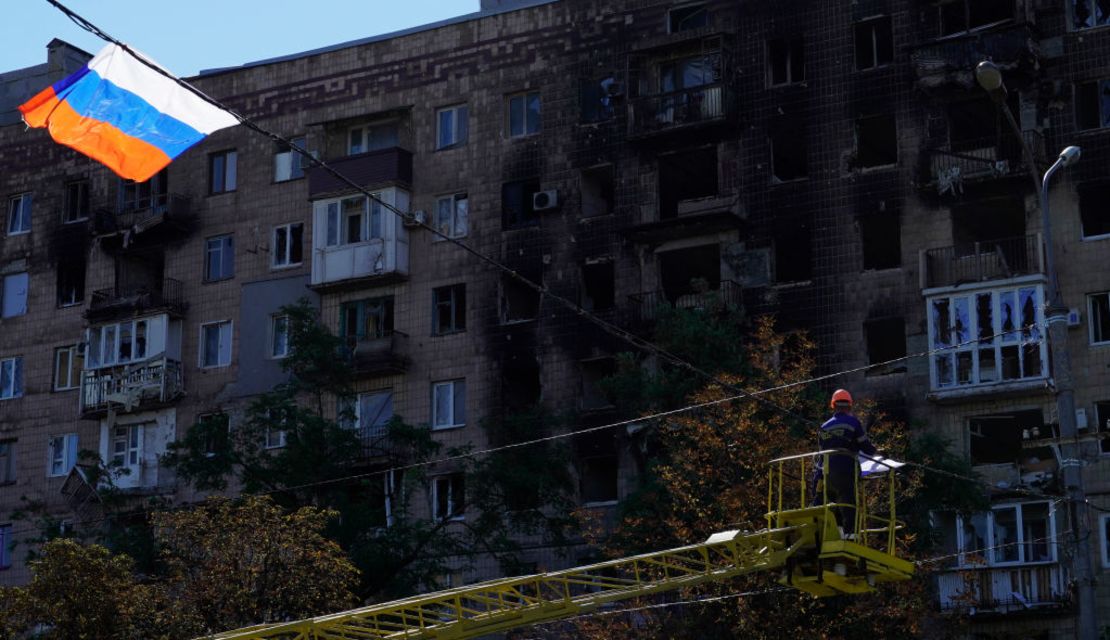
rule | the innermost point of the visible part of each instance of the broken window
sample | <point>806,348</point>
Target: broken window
<point>519,302</point>
<point>786,61</point>
<point>516,203</point>
<point>1092,104</point>
<point>520,383</point>
<point>973,124</point>
<point>886,341</point>
<point>598,286</point>
<point>597,191</point>
<point>693,16</point>
<point>1086,14</point>
<point>687,175</point>
<point>881,234</point>
<point>965,15</point>
<point>692,271</point>
<point>76,201</point>
<point>598,466</point>
<point>991,221</point>
<point>1094,209</point>
<point>593,372</point>
<point>449,309</point>
<point>216,430</point>
<point>788,150</point>
<point>1098,317</point>
<point>876,141</point>
<point>793,252</point>
<point>874,43</point>
<point>139,196</point>
<point>366,319</point>
<point>449,496</point>
<point>987,337</point>
<point>996,439</point>
<point>1102,423</point>
<point>71,280</point>
<point>596,98</point>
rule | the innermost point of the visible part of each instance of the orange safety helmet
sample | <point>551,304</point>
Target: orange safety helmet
<point>840,395</point>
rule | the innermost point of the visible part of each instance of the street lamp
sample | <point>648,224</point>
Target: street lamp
<point>989,77</point>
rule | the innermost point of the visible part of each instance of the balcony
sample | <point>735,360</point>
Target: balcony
<point>385,355</point>
<point>1004,590</point>
<point>951,166</point>
<point>160,208</point>
<point>950,62</point>
<point>682,110</point>
<point>648,306</point>
<point>126,388</point>
<point>691,218</point>
<point>982,262</point>
<point>125,300</point>
<point>370,170</point>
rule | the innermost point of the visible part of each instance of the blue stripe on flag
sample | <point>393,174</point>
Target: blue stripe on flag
<point>96,98</point>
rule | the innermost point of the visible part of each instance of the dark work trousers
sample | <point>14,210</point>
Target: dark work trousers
<point>841,487</point>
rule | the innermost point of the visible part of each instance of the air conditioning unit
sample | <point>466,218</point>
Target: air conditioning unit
<point>545,200</point>
<point>419,218</point>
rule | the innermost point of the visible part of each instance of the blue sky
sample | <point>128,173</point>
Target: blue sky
<point>186,36</point>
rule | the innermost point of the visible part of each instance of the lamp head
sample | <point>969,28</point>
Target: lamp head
<point>989,76</point>
<point>1070,155</point>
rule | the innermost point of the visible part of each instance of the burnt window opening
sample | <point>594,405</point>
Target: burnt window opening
<point>881,234</point>
<point>597,191</point>
<point>1094,208</point>
<point>592,397</point>
<point>793,252</point>
<point>1092,104</point>
<point>516,203</point>
<point>786,61</point>
<point>139,273</point>
<point>694,16</point>
<point>687,175</point>
<point>874,43</point>
<point>519,302</point>
<point>996,439</point>
<point>597,98</point>
<point>973,124</point>
<point>140,196</point>
<point>695,270</point>
<point>886,340</point>
<point>876,141</point>
<point>449,309</point>
<point>520,383</point>
<point>76,201</point>
<point>788,151</point>
<point>598,466</point>
<point>987,222</point>
<point>71,281</point>
<point>966,15</point>
<point>598,286</point>
<point>1102,423</point>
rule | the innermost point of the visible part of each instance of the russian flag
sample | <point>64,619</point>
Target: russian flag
<point>119,111</point>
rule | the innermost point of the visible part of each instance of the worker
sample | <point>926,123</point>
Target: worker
<point>843,432</point>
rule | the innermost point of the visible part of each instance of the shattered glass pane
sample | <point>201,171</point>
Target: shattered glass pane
<point>943,365</point>
<point>940,323</point>
<point>1031,361</point>
<point>984,317</point>
<point>1011,363</point>
<point>1009,316</point>
<point>1029,328</point>
<point>961,331</point>
<point>988,366</point>
<point>963,367</point>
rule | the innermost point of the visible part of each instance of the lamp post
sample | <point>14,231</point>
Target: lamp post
<point>989,77</point>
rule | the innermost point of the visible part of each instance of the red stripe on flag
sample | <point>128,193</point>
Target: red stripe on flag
<point>129,157</point>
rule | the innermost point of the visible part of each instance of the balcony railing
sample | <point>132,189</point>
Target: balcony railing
<point>379,355</point>
<point>982,261</point>
<point>371,169</point>
<point>647,306</point>
<point>169,293</point>
<point>1004,589</point>
<point>664,112</point>
<point>983,159</point>
<point>131,386</point>
<point>142,216</point>
<point>950,60</point>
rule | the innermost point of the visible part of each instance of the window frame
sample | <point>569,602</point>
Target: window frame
<point>101,343</point>
<point>7,461</point>
<point>276,320</point>
<point>789,44</point>
<point>365,129</point>
<point>230,345</point>
<point>211,417</point>
<point>296,160</point>
<point>337,228</point>
<point>379,428</point>
<point>226,162</point>
<point>527,128</point>
<point>460,134</point>
<point>453,422</point>
<point>286,261</point>
<point>457,308</point>
<point>1091,315</point>
<point>17,218</point>
<point>68,203</point>
<point>874,45</point>
<point>66,455</point>
<point>132,453</point>
<point>74,355</point>
<point>226,251</point>
<point>459,219</point>
<point>14,366</point>
<point>1091,8</point>
<point>448,480</point>
<point>990,544</point>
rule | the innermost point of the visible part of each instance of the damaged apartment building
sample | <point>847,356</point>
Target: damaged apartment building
<point>833,163</point>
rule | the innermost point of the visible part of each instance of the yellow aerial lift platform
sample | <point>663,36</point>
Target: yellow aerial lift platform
<point>802,542</point>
